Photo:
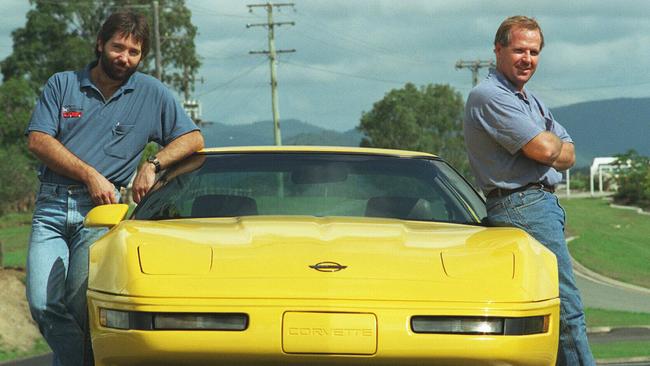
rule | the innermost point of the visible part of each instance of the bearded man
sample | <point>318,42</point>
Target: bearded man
<point>89,129</point>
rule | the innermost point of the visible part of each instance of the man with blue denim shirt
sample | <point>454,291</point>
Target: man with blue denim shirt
<point>89,129</point>
<point>516,150</point>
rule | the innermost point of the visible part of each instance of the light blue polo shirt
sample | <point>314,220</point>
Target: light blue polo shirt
<point>109,135</point>
<point>499,121</point>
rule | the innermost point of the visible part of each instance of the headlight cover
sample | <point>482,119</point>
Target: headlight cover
<point>479,325</point>
<point>119,319</point>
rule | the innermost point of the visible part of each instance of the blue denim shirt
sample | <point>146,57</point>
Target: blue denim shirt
<point>498,122</point>
<point>109,135</point>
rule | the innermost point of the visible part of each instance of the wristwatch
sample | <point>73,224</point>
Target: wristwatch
<point>154,160</point>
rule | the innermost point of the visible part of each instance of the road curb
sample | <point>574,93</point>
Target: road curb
<point>585,272</point>
<point>626,361</point>
<point>600,330</point>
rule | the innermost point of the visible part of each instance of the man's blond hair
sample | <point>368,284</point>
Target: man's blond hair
<point>518,21</point>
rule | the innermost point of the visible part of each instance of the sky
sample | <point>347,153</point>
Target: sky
<point>350,53</point>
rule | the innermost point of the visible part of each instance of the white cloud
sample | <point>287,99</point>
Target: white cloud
<point>352,52</point>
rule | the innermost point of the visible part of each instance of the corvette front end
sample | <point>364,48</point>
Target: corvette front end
<point>317,256</point>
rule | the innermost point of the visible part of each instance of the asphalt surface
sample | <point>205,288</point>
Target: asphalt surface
<point>606,296</point>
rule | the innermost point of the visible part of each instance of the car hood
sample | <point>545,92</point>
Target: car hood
<point>321,258</point>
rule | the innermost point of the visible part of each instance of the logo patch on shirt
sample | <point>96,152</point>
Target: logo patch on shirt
<point>71,111</point>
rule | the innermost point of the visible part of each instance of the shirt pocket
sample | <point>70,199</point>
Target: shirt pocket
<point>122,142</point>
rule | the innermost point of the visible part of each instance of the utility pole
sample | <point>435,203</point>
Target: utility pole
<point>191,106</point>
<point>474,66</point>
<point>272,52</point>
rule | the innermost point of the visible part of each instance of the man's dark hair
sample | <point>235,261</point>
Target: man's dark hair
<point>125,23</point>
<point>518,21</point>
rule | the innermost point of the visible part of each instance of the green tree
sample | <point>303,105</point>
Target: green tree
<point>16,102</point>
<point>428,118</point>
<point>633,179</point>
<point>61,35</point>
<point>17,178</point>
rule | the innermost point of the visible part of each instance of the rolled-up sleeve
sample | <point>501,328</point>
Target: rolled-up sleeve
<point>174,120</point>
<point>506,122</point>
<point>45,117</point>
<point>559,130</point>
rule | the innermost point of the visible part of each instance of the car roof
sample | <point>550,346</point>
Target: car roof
<point>315,149</point>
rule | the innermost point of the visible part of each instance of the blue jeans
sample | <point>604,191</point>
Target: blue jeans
<point>57,271</point>
<point>539,214</point>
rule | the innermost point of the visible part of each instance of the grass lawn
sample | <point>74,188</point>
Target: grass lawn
<point>14,234</point>
<point>621,349</point>
<point>39,348</point>
<point>611,318</point>
<point>612,242</point>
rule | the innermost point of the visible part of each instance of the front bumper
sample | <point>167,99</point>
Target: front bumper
<point>273,334</point>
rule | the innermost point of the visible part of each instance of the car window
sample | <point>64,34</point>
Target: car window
<point>314,184</point>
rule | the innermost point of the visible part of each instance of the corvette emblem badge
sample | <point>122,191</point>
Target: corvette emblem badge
<point>328,267</point>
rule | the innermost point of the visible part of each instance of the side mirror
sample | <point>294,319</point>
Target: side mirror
<point>106,215</point>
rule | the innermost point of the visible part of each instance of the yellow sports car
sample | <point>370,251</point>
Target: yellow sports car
<point>317,256</point>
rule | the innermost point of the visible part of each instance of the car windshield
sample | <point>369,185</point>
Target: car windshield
<point>313,184</point>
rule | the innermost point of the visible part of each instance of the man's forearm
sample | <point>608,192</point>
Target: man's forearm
<point>182,147</point>
<point>567,157</point>
<point>57,157</point>
<point>545,148</point>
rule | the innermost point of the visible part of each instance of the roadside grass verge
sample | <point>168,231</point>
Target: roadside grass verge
<point>610,241</point>
<point>627,349</point>
<point>611,318</point>
<point>14,235</point>
<point>39,348</point>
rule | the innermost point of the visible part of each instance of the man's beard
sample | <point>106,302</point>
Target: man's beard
<point>113,72</point>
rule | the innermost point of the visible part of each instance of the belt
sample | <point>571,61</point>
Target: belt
<point>76,187</point>
<point>502,192</point>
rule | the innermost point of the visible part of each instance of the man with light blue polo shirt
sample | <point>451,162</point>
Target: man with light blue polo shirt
<point>516,150</point>
<point>89,129</point>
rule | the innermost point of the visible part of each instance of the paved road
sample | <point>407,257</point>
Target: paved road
<point>605,293</point>
<point>606,296</point>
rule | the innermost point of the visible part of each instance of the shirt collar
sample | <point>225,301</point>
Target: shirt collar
<point>87,82</point>
<point>502,80</point>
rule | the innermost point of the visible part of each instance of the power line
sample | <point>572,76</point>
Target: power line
<point>595,87</point>
<point>345,74</point>
<point>230,81</point>
<point>359,41</point>
<point>211,12</point>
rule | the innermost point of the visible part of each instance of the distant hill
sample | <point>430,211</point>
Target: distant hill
<point>294,132</point>
<point>607,127</point>
<point>599,128</point>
